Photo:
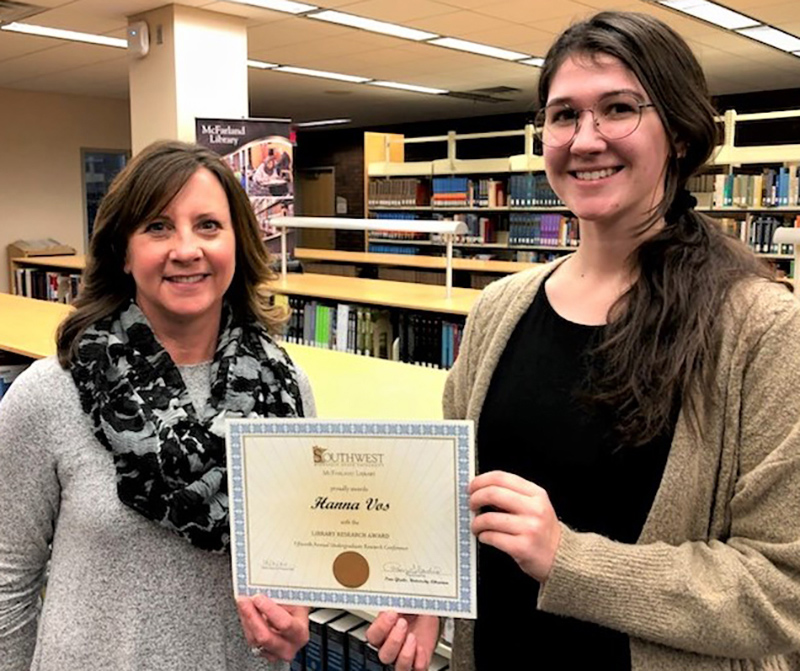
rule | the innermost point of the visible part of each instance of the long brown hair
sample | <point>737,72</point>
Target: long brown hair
<point>661,344</point>
<point>139,193</point>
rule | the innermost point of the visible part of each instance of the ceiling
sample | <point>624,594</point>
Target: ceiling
<point>733,64</point>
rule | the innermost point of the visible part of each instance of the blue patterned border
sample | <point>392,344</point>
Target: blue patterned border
<point>462,432</point>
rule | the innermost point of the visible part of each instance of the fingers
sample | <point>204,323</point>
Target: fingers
<point>407,654</point>
<point>394,642</point>
<point>505,480</point>
<point>380,628</point>
<point>279,630</point>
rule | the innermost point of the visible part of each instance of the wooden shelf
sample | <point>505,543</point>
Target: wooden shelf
<point>411,261</point>
<point>744,209</point>
<point>481,245</point>
<point>425,297</point>
<point>72,262</point>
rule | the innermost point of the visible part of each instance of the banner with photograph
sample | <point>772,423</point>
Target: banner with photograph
<point>260,152</point>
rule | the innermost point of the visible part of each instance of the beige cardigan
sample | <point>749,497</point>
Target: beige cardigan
<point>713,582</point>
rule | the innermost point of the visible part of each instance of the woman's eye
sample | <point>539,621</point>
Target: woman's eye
<point>618,109</point>
<point>210,225</point>
<point>562,116</point>
<point>155,227</point>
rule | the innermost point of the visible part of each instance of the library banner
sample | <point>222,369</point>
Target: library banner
<point>260,152</point>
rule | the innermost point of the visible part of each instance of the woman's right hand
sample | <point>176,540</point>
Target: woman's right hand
<point>408,641</point>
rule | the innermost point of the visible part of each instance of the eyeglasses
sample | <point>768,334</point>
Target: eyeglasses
<point>615,116</point>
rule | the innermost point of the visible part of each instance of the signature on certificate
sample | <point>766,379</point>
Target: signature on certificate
<point>277,565</point>
<point>415,570</point>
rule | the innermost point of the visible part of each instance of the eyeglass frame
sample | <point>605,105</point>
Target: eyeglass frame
<point>539,128</point>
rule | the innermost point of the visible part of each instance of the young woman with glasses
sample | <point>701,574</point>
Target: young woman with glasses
<point>637,409</point>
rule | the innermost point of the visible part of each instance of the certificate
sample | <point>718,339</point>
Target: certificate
<point>357,514</point>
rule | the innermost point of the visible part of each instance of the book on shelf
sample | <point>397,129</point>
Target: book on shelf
<point>755,188</point>
<point>543,229</point>
<point>422,338</point>
<point>8,373</point>
<point>50,285</point>
<point>398,192</point>
<point>357,648</point>
<point>317,646</point>
<point>338,653</point>
<point>531,190</point>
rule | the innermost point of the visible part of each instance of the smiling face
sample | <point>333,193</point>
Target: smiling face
<point>183,260</point>
<point>614,182</point>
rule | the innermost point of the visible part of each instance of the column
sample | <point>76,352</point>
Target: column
<point>196,67</point>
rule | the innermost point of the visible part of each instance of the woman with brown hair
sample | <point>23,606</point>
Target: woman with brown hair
<point>638,418</point>
<point>112,457</point>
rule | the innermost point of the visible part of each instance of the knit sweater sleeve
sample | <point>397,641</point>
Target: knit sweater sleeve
<point>29,500</point>
<point>737,595</point>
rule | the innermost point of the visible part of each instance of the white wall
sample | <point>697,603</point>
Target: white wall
<point>41,137</point>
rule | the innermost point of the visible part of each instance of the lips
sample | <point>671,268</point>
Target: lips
<point>187,279</point>
<point>589,175</point>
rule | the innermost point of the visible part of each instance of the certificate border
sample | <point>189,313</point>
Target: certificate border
<point>464,604</point>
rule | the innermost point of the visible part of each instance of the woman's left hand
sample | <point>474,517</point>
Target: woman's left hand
<point>516,517</point>
<point>273,631</point>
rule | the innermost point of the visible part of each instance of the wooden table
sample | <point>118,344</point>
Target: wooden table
<point>345,385</point>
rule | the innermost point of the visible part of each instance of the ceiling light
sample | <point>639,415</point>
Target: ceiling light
<point>323,74</point>
<point>537,62</point>
<point>323,122</point>
<point>773,37</point>
<point>287,6</point>
<point>261,65</point>
<point>372,25</point>
<point>475,48</point>
<point>44,31</point>
<point>409,87</point>
<point>711,12</point>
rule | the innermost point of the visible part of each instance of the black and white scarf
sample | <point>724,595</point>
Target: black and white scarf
<point>170,462</point>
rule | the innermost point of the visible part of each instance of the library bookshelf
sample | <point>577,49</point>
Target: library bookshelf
<point>419,323</point>
<point>544,228</point>
<point>47,277</point>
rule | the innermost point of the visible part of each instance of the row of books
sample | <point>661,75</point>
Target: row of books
<point>522,190</point>
<point>770,188</point>
<point>8,373</point>
<point>466,192</point>
<point>758,232</point>
<point>398,235</point>
<point>480,229</point>
<point>378,248</point>
<point>536,256</point>
<point>412,337</point>
<point>546,230</point>
<point>46,284</point>
<point>398,192</point>
<point>338,642</point>
<point>531,190</point>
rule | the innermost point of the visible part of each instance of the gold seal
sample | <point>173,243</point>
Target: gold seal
<point>351,569</point>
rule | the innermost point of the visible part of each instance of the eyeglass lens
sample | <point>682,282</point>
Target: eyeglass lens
<point>615,117</point>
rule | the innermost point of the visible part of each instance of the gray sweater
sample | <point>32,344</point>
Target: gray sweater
<point>123,593</point>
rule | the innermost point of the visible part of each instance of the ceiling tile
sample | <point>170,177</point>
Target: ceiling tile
<point>397,12</point>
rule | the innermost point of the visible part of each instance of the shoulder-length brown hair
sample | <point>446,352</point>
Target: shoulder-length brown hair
<point>139,193</point>
<point>660,346</point>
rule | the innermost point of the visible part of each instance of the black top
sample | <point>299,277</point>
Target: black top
<point>534,424</point>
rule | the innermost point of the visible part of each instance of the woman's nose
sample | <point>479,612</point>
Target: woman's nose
<point>587,135</point>
<point>186,247</point>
